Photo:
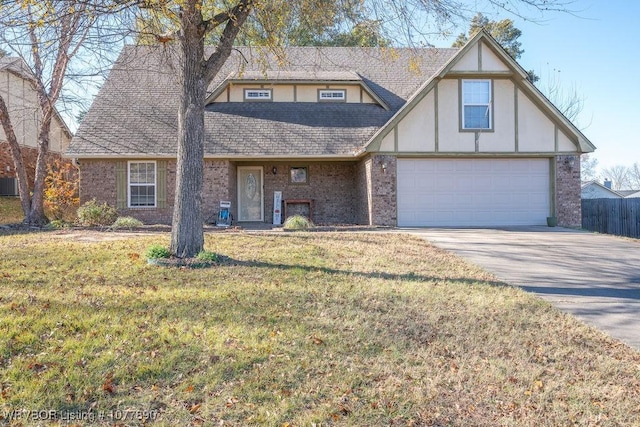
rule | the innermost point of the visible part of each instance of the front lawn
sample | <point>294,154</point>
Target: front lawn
<point>292,329</point>
<point>10,210</point>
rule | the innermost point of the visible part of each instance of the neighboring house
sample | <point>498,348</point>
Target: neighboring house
<point>629,194</point>
<point>406,137</point>
<point>19,94</point>
<point>595,190</point>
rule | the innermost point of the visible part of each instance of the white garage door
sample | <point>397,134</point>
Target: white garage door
<point>473,192</point>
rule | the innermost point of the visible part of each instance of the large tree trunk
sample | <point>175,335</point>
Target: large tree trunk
<point>187,234</point>
<point>16,155</point>
<point>36,215</point>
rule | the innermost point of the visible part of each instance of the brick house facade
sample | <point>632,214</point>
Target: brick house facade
<point>461,139</point>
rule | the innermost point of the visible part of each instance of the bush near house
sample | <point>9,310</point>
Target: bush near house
<point>61,198</point>
<point>94,214</point>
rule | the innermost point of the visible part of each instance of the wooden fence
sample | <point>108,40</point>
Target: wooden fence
<point>612,216</point>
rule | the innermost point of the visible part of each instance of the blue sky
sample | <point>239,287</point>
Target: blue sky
<point>596,50</point>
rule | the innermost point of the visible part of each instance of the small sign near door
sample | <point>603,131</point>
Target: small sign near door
<point>277,207</point>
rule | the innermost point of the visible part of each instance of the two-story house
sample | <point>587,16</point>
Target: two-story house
<point>396,137</point>
<point>20,96</point>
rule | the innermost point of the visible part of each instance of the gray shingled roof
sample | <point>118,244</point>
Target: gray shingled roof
<point>135,113</point>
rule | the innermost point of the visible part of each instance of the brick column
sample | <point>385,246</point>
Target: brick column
<point>567,197</point>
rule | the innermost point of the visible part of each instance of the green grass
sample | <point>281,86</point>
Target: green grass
<point>10,210</point>
<point>295,329</point>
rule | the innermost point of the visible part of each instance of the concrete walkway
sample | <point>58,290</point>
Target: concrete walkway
<point>592,276</point>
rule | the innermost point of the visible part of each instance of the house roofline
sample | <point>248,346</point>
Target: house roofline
<point>228,81</point>
<point>583,143</point>
<point>257,158</point>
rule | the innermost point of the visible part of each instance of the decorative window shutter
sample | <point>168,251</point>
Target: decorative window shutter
<point>161,182</point>
<point>121,184</point>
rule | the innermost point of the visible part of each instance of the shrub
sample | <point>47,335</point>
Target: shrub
<point>61,191</point>
<point>57,224</point>
<point>127,222</point>
<point>91,213</point>
<point>297,222</point>
<point>157,251</point>
<point>208,256</point>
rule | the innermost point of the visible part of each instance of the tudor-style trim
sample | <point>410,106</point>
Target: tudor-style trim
<point>436,127</point>
<point>516,137</point>
<point>395,139</point>
<point>273,83</point>
<point>519,75</point>
<point>480,56</point>
<point>553,176</point>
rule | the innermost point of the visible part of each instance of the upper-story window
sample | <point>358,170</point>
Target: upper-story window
<point>257,94</point>
<point>476,104</point>
<point>332,95</point>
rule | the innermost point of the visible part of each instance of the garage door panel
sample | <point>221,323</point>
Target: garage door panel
<point>473,192</point>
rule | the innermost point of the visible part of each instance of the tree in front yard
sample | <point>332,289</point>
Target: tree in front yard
<point>46,35</point>
<point>189,23</point>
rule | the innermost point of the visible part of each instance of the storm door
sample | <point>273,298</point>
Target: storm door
<point>250,195</point>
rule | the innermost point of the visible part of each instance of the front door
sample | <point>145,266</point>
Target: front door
<point>250,195</point>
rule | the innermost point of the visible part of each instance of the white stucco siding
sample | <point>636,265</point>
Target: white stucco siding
<point>283,93</point>
<point>450,139</point>
<point>22,102</point>
<point>469,62</point>
<point>416,131</point>
<point>366,98</point>
<point>564,143</point>
<point>536,132</point>
<point>490,61</point>
<point>502,139</point>
<point>388,142</point>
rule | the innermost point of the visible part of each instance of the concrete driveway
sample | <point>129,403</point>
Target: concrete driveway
<point>592,276</point>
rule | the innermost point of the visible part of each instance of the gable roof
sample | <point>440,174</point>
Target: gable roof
<point>135,113</point>
<point>18,67</point>
<point>586,185</point>
<point>515,70</point>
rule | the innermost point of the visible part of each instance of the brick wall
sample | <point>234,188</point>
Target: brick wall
<point>98,180</point>
<point>568,202</point>
<point>378,175</point>
<point>29,157</point>
<point>331,186</point>
<point>363,191</point>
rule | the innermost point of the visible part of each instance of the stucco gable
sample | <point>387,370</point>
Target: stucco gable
<point>483,57</point>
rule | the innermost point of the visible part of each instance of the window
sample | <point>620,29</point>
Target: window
<point>332,95</point>
<point>142,184</point>
<point>298,175</point>
<point>257,94</point>
<point>476,104</point>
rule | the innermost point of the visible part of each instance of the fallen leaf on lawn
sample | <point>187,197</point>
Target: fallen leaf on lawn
<point>195,408</point>
<point>108,385</point>
<point>189,389</point>
<point>231,401</point>
<point>316,340</point>
<point>134,256</point>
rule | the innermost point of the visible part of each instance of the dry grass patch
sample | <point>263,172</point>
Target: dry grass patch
<point>334,329</point>
<point>10,210</point>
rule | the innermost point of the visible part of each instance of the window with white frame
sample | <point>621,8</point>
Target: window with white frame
<point>476,104</point>
<point>336,95</point>
<point>257,94</point>
<point>142,184</point>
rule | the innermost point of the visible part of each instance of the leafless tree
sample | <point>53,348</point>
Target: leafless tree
<point>48,37</point>
<point>619,175</point>
<point>589,167</point>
